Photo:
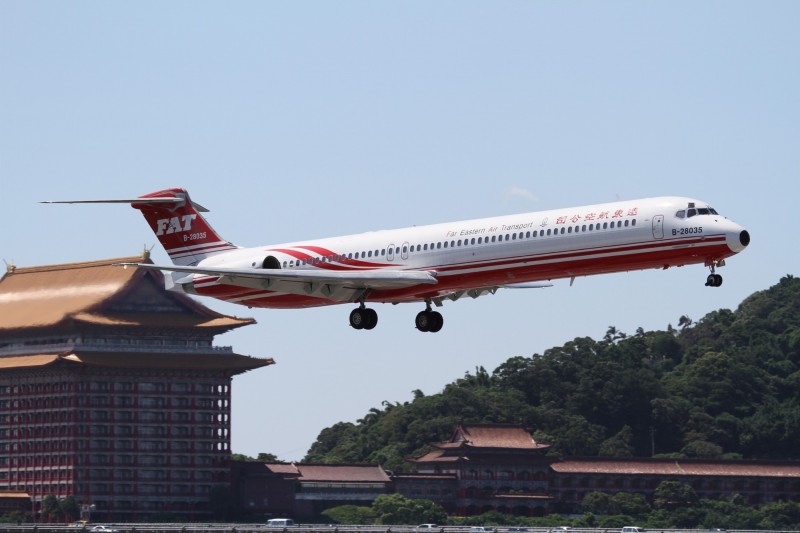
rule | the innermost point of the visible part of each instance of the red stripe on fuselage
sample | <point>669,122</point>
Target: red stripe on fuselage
<point>539,267</point>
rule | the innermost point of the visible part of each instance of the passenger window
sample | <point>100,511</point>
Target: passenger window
<point>633,222</point>
<point>626,223</point>
<point>445,244</point>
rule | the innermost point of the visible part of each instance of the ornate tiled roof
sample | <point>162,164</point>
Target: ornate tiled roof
<point>97,292</point>
<point>98,314</point>
<point>331,473</point>
<point>468,439</point>
<point>344,473</point>
<point>676,467</point>
<point>495,436</point>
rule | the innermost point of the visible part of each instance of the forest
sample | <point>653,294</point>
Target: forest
<point>722,386</point>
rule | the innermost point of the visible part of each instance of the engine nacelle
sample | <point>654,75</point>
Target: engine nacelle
<point>271,263</point>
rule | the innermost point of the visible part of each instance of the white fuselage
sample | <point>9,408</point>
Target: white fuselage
<point>473,255</point>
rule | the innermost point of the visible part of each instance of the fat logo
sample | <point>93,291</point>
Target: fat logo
<point>174,224</point>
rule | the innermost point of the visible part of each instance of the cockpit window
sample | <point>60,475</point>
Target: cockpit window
<point>681,213</point>
<point>697,211</point>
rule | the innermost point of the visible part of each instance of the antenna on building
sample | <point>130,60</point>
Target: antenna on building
<point>146,252</point>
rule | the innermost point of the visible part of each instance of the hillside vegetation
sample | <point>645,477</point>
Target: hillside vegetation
<point>724,386</point>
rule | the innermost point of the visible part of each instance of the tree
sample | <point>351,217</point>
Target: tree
<point>596,503</point>
<point>69,508</point>
<point>674,494</point>
<point>350,514</point>
<point>397,509</point>
<point>629,504</point>
<point>50,508</point>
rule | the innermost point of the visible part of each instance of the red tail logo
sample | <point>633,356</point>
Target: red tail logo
<point>181,230</point>
<point>174,224</point>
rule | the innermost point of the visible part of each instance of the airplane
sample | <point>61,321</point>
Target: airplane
<point>435,263</point>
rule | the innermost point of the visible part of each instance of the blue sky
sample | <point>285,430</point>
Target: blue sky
<point>297,120</point>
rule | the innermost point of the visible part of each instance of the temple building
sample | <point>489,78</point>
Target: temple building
<point>113,392</point>
<point>304,490</point>
<point>496,467</point>
<point>483,467</point>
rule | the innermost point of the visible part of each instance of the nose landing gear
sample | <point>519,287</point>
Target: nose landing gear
<point>713,280</point>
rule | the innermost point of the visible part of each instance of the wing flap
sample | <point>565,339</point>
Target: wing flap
<point>341,286</point>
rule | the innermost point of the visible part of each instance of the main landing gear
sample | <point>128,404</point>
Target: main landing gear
<point>363,317</point>
<point>713,280</point>
<point>428,320</point>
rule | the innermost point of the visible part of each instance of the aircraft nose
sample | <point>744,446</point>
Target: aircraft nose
<point>744,237</point>
<point>738,239</point>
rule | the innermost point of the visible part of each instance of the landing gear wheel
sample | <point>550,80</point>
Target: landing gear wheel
<point>363,318</point>
<point>357,318</point>
<point>431,321</point>
<point>437,321</point>
<point>713,280</point>
<point>371,318</point>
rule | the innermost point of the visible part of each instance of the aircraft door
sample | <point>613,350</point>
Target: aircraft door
<point>658,227</point>
<point>404,251</point>
<point>390,252</point>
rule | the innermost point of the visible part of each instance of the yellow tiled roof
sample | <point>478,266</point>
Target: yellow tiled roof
<point>48,296</point>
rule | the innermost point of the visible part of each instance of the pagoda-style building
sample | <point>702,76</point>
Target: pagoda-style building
<point>494,467</point>
<point>483,467</point>
<point>112,391</point>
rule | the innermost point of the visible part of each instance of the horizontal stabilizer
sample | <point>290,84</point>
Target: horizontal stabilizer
<point>157,200</point>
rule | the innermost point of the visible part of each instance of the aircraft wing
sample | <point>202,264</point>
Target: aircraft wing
<point>483,291</point>
<point>334,285</point>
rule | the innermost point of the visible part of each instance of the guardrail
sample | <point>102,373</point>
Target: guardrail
<point>320,528</point>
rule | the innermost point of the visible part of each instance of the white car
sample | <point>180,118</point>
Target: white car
<point>104,529</point>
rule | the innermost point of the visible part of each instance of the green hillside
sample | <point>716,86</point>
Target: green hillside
<point>723,386</point>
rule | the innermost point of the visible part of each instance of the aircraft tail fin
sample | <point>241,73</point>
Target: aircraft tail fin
<point>183,232</point>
